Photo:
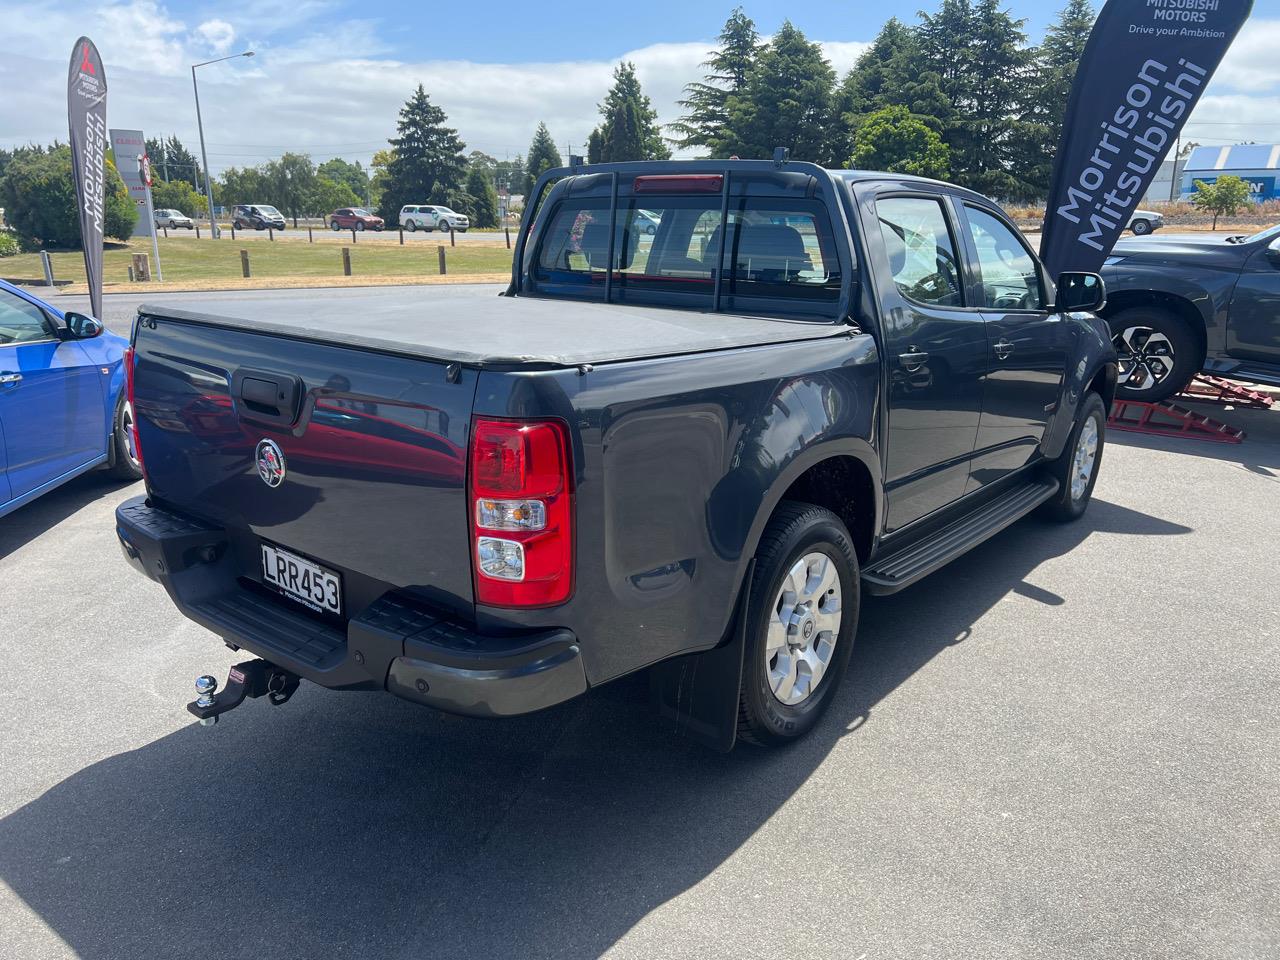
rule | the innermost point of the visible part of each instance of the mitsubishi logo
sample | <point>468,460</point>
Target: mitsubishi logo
<point>85,65</point>
<point>271,463</point>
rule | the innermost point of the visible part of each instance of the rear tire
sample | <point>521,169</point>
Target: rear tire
<point>1077,469</point>
<point>125,465</point>
<point>792,620</point>
<point>360,226</point>
<point>1158,353</point>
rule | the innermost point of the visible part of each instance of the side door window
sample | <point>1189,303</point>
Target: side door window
<point>1010,275</point>
<point>936,348</point>
<point>21,321</point>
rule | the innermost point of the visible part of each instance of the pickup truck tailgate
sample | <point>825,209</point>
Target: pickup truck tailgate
<point>373,453</point>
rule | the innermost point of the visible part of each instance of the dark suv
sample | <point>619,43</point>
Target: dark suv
<point>1189,303</point>
<point>256,216</point>
<point>355,218</point>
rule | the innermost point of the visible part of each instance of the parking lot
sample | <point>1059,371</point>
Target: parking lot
<point>1064,744</point>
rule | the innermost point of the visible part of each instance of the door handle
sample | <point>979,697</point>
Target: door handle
<point>1003,348</point>
<point>10,377</point>
<point>913,360</point>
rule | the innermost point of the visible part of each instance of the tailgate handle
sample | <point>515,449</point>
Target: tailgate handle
<point>271,397</point>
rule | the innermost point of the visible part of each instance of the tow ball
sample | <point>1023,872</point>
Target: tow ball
<point>251,679</point>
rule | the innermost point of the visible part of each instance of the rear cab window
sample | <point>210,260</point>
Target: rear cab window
<point>778,253</point>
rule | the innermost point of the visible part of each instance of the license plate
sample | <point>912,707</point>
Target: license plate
<point>308,583</point>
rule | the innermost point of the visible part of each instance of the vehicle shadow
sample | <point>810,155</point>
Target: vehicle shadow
<point>27,523</point>
<point>367,827</point>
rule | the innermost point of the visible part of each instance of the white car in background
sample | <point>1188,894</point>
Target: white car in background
<point>173,219</point>
<point>414,216</point>
<point>1144,221</point>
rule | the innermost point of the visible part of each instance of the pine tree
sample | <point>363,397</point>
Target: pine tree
<point>729,65</point>
<point>426,159</point>
<point>484,206</point>
<point>629,129</point>
<point>1053,71</point>
<point>788,101</point>
<point>543,156</point>
<point>978,53</point>
<point>595,146</point>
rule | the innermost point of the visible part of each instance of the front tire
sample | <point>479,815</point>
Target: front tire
<point>1158,353</point>
<point>1140,228</point>
<point>1077,469</point>
<point>802,614</point>
<point>126,465</point>
<point>410,225</point>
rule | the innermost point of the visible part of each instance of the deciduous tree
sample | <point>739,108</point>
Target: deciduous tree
<point>1223,198</point>
<point>894,139</point>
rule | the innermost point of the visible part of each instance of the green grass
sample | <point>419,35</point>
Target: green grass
<point>186,259</point>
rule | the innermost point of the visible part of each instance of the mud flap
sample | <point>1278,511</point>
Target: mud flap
<point>699,692</point>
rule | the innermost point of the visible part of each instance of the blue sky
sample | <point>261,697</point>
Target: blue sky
<point>330,75</point>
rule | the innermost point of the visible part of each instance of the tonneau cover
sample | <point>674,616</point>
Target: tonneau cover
<point>519,331</point>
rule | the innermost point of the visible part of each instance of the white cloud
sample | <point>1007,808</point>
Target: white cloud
<point>218,34</point>
<point>294,95</point>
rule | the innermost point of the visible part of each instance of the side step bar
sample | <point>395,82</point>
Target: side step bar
<point>903,566</point>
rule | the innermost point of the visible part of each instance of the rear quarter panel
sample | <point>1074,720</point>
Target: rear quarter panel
<point>678,464</point>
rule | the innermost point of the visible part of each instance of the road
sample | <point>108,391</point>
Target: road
<point>1062,746</point>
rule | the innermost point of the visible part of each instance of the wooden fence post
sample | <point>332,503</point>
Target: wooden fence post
<point>453,235</point>
<point>244,262</point>
<point>233,231</point>
<point>353,234</point>
<point>346,261</point>
<point>310,239</point>
<point>402,236</point>
<point>271,234</point>
<point>197,231</point>
<point>443,271</point>
<point>508,232</point>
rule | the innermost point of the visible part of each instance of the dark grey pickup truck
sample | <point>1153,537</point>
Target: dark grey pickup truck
<point>692,449</point>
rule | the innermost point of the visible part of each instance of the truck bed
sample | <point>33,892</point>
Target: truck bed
<point>522,331</point>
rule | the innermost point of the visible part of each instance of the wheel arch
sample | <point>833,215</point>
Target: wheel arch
<point>1176,304</point>
<point>843,476</point>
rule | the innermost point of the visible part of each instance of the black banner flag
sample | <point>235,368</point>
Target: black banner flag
<point>87,118</point>
<point>1143,69</point>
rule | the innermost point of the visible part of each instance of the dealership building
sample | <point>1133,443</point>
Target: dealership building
<point>1257,164</point>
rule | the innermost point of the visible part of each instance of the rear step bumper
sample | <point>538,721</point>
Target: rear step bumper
<point>396,644</point>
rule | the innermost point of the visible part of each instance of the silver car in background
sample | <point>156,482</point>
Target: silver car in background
<point>173,219</point>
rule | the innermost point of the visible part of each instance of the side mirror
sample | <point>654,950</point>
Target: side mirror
<point>1080,291</point>
<point>80,327</point>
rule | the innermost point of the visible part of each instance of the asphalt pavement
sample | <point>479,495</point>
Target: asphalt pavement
<point>1064,745</point>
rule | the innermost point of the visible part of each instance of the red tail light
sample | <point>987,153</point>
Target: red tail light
<point>521,512</point>
<point>129,359</point>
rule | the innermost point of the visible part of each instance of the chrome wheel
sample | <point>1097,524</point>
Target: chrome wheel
<point>804,628</point>
<point>1146,357</point>
<point>125,426</point>
<point>1085,458</point>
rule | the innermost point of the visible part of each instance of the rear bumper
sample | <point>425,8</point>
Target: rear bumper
<point>397,643</point>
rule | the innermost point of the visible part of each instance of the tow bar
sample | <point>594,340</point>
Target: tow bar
<point>253,678</point>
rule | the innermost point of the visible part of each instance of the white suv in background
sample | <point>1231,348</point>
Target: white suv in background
<point>423,217</point>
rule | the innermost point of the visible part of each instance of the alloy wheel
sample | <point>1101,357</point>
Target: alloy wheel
<point>1084,458</point>
<point>1145,355</point>
<point>803,629</point>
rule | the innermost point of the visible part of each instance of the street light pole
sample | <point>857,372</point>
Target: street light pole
<point>204,157</point>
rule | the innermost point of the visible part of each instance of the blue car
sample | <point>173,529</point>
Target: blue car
<point>63,409</point>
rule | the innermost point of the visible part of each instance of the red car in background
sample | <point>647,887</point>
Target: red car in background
<point>355,218</point>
